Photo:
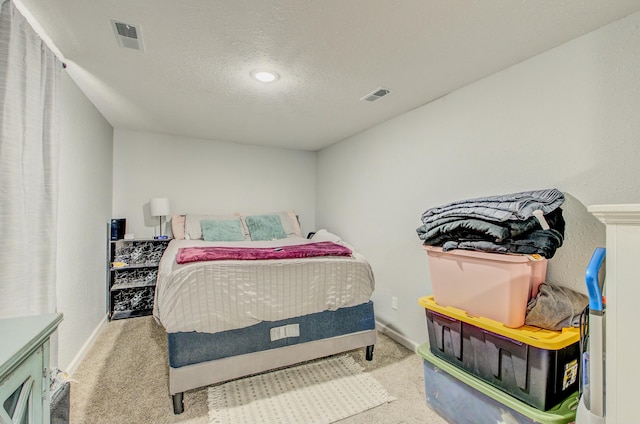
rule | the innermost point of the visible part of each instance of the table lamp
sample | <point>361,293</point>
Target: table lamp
<point>160,207</point>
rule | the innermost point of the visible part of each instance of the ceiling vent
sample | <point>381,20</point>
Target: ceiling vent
<point>127,35</point>
<point>378,93</point>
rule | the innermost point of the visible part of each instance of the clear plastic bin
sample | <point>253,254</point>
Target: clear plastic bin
<point>461,398</point>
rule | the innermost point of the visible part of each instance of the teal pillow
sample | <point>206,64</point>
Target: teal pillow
<point>265,227</point>
<point>222,230</point>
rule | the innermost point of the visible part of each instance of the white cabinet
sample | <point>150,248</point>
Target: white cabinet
<point>24,368</point>
<point>622,291</point>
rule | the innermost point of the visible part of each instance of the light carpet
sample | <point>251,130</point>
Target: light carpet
<point>319,392</point>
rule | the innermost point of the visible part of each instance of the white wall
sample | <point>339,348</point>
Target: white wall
<point>207,177</point>
<point>86,146</point>
<point>567,118</point>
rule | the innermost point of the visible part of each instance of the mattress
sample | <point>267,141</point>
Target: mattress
<point>215,296</point>
<point>192,347</point>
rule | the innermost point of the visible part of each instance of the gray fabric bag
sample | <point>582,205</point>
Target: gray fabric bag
<point>555,307</point>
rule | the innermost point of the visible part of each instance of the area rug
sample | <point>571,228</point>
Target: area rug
<point>319,392</point>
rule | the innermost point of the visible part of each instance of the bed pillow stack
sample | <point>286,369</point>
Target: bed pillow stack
<point>236,227</point>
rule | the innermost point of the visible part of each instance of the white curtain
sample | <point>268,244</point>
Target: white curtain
<point>29,72</point>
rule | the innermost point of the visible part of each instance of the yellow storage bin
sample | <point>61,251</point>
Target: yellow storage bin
<point>537,366</point>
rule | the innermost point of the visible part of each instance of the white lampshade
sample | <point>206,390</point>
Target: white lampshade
<point>159,206</point>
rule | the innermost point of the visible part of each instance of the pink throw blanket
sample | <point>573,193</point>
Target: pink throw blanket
<point>323,248</point>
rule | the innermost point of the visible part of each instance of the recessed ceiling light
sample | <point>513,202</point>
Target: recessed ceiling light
<point>265,76</point>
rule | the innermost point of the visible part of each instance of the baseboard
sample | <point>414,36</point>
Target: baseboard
<point>394,335</point>
<point>75,362</point>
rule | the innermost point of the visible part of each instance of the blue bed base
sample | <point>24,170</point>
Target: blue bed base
<point>186,348</point>
<point>189,349</point>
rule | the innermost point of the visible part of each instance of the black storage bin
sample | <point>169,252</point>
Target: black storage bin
<point>537,366</point>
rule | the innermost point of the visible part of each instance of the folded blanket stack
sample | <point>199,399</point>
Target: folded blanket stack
<point>528,222</point>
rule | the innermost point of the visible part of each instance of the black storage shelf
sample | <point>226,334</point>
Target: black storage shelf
<point>131,287</point>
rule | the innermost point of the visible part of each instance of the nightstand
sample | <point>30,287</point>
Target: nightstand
<point>133,270</point>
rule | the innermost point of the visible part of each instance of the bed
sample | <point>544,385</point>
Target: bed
<point>284,300</point>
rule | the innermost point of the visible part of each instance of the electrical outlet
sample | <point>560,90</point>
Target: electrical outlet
<point>394,303</point>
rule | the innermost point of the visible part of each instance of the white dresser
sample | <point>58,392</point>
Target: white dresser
<point>24,368</point>
<point>622,291</point>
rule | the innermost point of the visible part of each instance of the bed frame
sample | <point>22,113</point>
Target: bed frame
<point>201,359</point>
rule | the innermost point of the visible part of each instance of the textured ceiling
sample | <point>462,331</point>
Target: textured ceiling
<point>192,78</point>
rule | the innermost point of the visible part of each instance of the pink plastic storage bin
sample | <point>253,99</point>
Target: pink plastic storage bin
<point>489,285</point>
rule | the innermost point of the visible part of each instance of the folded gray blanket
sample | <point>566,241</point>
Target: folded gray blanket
<point>555,307</point>
<point>499,208</point>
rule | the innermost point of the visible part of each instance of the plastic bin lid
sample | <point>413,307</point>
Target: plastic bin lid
<point>533,336</point>
<point>563,413</point>
<point>481,255</point>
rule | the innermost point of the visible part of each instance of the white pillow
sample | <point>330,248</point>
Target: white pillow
<point>324,235</point>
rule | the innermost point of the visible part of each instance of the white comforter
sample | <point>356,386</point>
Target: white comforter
<point>216,296</point>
